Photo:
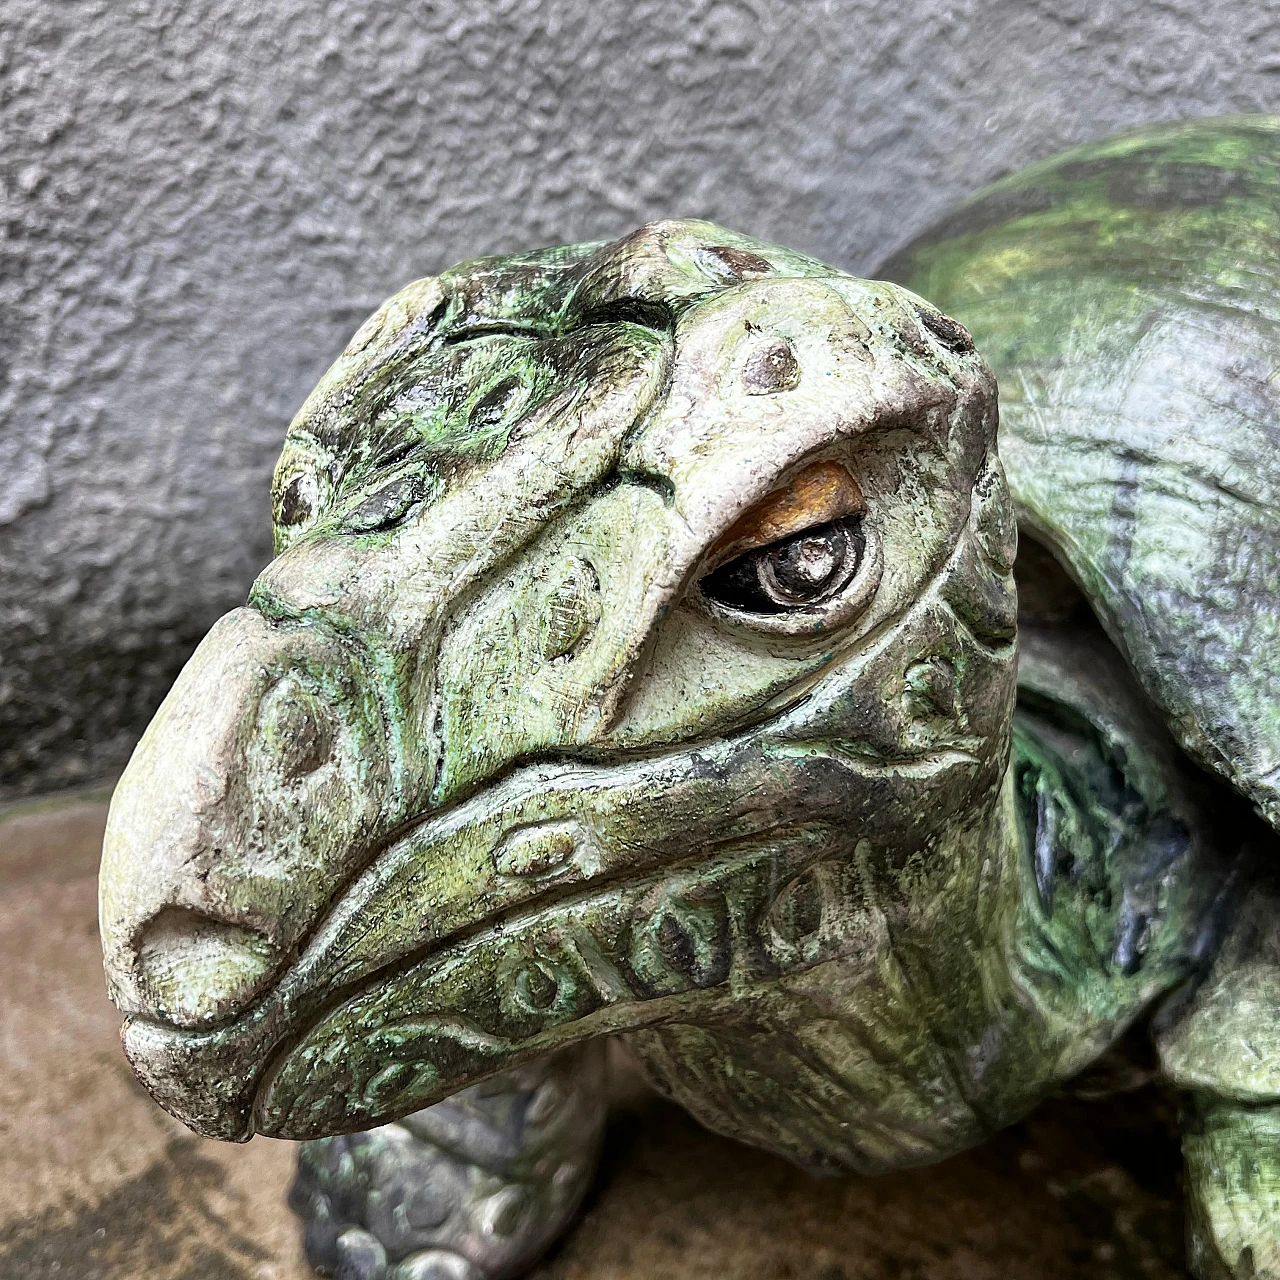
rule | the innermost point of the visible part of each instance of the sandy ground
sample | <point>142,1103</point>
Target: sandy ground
<point>96,1183</point>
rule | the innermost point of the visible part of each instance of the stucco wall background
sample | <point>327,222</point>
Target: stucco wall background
<point>202,199</point>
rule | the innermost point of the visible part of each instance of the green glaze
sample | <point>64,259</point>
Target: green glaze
<point>493,763</point>
<point>1125,294</point>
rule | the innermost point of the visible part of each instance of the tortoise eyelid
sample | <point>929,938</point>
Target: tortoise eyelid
<point>820,493</point>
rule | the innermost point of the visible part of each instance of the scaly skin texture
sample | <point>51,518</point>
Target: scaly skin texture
<point>476,1186</point>
<point>640,659</point>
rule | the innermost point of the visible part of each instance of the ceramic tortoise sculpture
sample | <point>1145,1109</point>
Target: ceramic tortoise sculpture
<point>642,657</point>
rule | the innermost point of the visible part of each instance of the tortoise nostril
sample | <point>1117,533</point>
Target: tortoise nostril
<point>297,729</point>
<point>308,748</point>
<point>195,971</point>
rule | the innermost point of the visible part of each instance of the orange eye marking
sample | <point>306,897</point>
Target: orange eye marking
<point>820,493</point>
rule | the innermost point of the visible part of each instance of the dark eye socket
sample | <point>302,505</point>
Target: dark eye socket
<point>793,573</point>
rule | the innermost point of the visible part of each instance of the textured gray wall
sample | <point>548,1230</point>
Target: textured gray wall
<point>202,198</point>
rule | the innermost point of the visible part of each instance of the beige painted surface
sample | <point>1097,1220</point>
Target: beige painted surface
<point>97,1184</point>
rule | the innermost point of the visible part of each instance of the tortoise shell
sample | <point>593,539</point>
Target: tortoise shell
<point>1127,295</point>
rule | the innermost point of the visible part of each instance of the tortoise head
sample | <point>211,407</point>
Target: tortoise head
<point>632,602</point>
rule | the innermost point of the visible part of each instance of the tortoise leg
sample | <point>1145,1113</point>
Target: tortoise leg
<point>475,1188</point>
<point>1232,1154</point>
<point>1219,1045</point>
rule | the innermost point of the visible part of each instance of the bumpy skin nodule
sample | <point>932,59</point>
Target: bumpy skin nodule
<point>640,659</point>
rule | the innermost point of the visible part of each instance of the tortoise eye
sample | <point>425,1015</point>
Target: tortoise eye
<point>798,548</point>
<point>301,490</point>
<point>793,573</point>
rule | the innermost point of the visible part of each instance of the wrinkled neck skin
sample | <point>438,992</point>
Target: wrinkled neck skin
<point>1100,877</point>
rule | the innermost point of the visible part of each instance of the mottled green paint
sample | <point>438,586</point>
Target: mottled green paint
<point>1127,295</point>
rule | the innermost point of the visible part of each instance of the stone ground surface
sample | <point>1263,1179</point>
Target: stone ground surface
<point>96,1183</point>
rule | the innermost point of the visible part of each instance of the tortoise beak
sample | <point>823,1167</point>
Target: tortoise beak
<point>174,945</point>
<point>454,920</point>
